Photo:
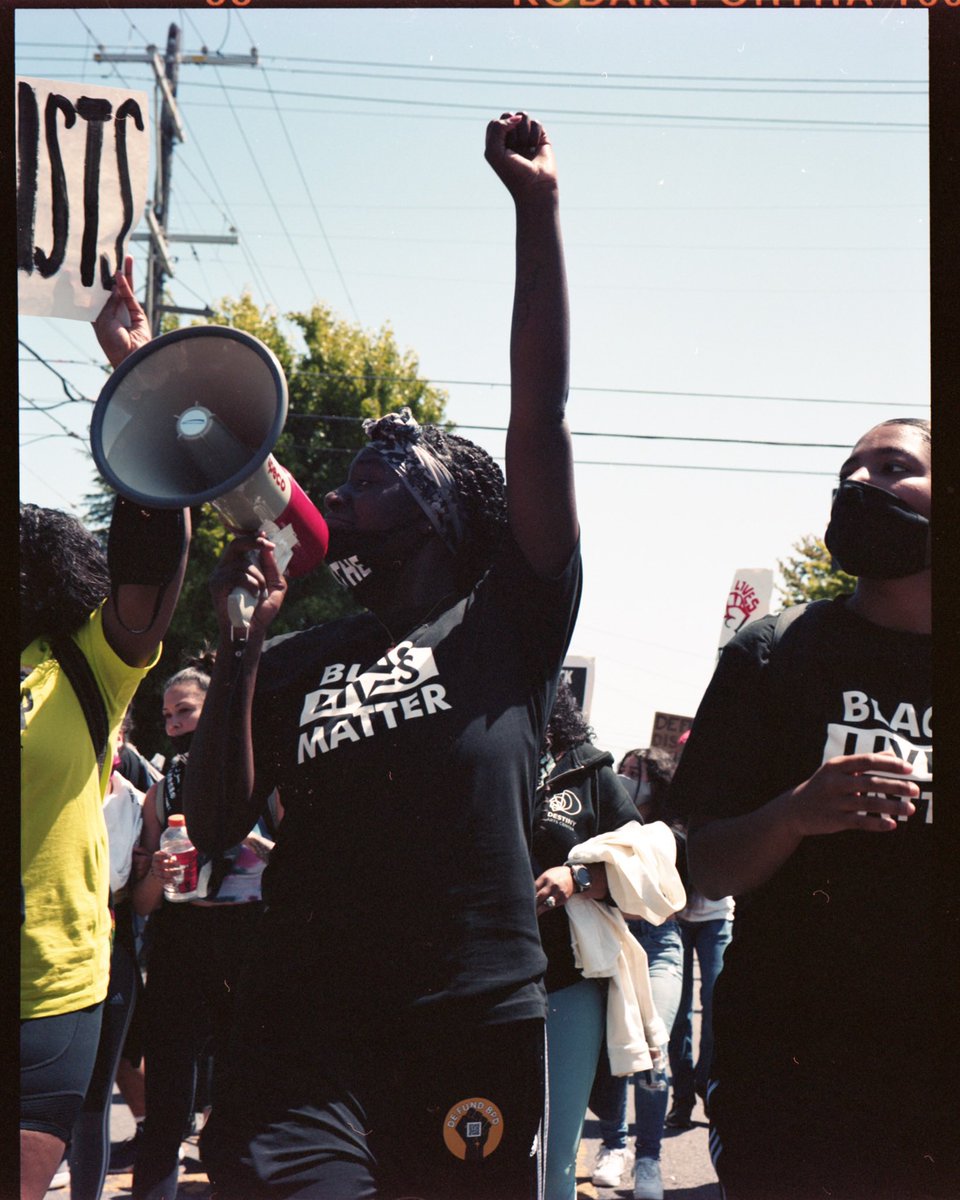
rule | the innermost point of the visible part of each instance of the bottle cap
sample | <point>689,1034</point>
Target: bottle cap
<point>177,819</point>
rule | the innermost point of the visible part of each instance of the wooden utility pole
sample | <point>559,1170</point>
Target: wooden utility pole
<point>169,128</point>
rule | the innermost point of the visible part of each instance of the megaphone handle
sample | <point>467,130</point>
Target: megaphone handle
<point>241,604</point>
<point>240,608</point>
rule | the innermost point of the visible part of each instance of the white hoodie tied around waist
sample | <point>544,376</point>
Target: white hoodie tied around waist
<point>642,880</point>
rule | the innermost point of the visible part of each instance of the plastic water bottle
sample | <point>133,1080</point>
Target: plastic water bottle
<point>176,841</point>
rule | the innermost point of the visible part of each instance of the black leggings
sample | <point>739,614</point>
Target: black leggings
<point>90,1144</point>
<point>196,953</point>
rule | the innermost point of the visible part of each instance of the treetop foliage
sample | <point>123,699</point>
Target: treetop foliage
<point>811,575</point>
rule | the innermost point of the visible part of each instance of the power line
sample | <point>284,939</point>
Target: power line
<point>356,62</point>
<point>607,86</point>
<point>645,437</point>
<point>225,212</point>
<point>429,67</point>
<point>309,194</point>
<point>66,430</point>
<point>266,187</point>
<point>64,382</point>
<point>593,113</point>
<point>620,391</point>
<point>586,462</point>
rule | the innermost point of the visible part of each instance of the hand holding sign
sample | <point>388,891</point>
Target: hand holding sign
<point>121,326</point>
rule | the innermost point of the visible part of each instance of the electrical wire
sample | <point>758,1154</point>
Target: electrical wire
<point>309,194</point>
<point>355,62</point>
<point>266,187</point>
<point>618,391</point>
<point>594,114</point>
<point>608,87</point>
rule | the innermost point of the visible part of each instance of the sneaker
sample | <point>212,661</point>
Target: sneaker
<point>62,1177</point>
<point>611,1166</point>
<point>647,1180</point>
<point>679,1116</point>
<point>124,1154</point>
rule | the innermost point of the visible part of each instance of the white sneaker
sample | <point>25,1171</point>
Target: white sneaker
<point>647,1180</point>
<point>61,1178</point>
<point>611,1166</point>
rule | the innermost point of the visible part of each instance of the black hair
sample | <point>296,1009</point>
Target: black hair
<point>567,726</point>
<point>63,573</point>
<point>197,671</point>
<point>483,497</point>
<point>920,423</point>
<point>660,769</point>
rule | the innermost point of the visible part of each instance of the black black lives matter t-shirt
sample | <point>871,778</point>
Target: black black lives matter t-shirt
<point>836,952</point>
<point>401,875</point>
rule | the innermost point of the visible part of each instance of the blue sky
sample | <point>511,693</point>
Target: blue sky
<point>745,209</point>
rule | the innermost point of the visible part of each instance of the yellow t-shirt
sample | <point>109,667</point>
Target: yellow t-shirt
<point>64,860</point>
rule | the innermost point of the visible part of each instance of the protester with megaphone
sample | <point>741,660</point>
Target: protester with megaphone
<point>389,1034</point>
<point>90,629</point>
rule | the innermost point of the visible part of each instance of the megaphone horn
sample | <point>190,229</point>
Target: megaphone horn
<point>192,417</point>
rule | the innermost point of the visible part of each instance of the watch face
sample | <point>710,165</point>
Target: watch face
<point>581,877</point>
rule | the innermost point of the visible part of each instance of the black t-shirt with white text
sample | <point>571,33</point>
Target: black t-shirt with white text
<point>401,875</point>
<point>836,952</point>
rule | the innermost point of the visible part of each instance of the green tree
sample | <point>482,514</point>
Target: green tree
<point>811,575</point>
<point>337,375</point>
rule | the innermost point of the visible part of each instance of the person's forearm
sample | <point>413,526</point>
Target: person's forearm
<point>539,455</point>
<point>146,895</point>
<point>540,330</point>
<point>734,855</point>
<point>219,783</point>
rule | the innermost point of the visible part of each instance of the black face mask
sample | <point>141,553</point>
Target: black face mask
<point>181,743</point>
<point>362,561</point>
<point>873,534</point>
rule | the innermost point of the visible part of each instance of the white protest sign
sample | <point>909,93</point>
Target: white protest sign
<point>82,157</point>
<point>748,599</point>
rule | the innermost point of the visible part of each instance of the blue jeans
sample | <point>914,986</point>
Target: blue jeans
<point>608,1100</point>
<point>576,1017</point>
<point>708,940</point>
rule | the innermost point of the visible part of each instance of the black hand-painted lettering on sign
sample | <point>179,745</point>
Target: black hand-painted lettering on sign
<point>28,153</point>
<point>49,265</point>
<point>95,112</point>
<point>59,114</point>
<point>129,108</point>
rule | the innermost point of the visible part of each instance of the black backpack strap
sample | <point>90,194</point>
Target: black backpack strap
<point>76,668</point>
<point>784,620</point>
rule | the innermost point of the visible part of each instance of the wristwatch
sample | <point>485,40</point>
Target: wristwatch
<point>581,876</point>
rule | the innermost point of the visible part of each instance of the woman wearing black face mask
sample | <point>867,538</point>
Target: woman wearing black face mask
<point>195,948</point>
<point>807,784</point>
<point>390,1033</point>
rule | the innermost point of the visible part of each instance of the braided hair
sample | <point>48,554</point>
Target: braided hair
<point>483,497</point>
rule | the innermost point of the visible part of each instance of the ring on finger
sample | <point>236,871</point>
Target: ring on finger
<point>550,902</point>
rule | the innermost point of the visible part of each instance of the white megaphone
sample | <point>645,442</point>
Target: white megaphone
<point>191,418</point>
